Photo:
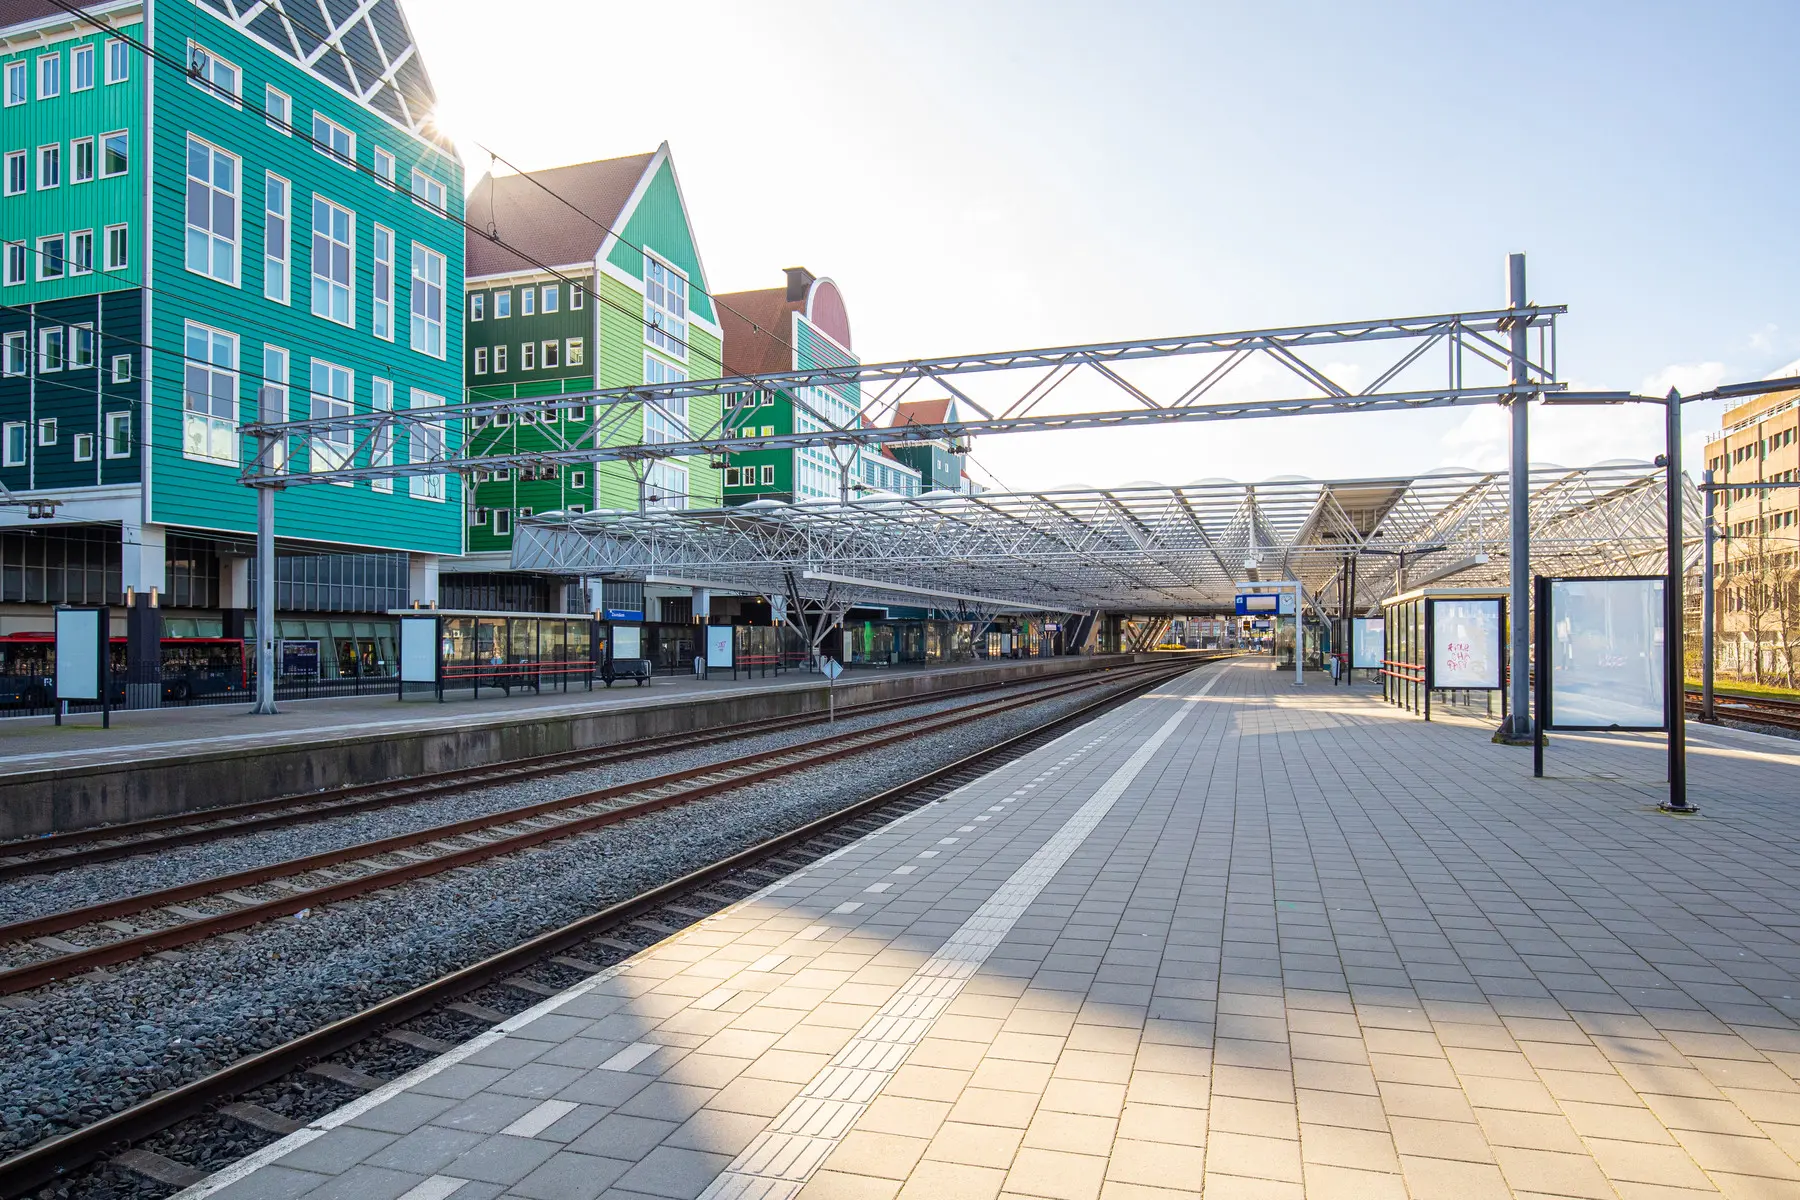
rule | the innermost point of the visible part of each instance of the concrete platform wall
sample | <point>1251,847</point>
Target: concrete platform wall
<point>58,800</point>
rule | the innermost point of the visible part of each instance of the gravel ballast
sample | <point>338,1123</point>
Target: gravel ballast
<point>93,1046</point>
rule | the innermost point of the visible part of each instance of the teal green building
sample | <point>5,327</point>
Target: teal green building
<point>207,205</point>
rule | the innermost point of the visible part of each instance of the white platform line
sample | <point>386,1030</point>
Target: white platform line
<point>781,1159</point>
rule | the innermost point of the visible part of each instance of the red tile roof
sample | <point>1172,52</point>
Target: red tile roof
<point>539,224</point>
<point>757,330</point>
<point>922,412</point>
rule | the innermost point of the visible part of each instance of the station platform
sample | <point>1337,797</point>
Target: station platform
<point>1236,938</point>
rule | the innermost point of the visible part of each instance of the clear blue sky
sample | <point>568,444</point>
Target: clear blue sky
<point>990,175</point>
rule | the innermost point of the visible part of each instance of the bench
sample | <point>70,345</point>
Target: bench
<point>626,668</point>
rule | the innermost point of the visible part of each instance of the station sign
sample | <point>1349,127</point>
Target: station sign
<point>624,614</point>
<point>1275,603</point>
<point>300,658</point>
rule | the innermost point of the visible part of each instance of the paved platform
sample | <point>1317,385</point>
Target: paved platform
<point>1235,939</point>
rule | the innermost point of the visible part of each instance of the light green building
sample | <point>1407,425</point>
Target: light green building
<point>204,199</point>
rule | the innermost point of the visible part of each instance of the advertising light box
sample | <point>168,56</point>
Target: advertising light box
<point>718,646</point>
<point>627,641</point>
<point>1606,654</point>
<point>1368,638</point>
<point>418,649</point>
<point>1465,644</point>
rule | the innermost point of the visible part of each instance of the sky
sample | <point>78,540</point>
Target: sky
<point>990,176</point>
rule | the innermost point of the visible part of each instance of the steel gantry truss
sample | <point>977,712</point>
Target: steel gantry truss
<point>1135,549</point>
<point>1411,363</point>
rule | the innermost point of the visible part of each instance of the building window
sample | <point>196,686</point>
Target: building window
<point>52,255</point>
<point>15,172</point>
<point>47,432</point>
<point>577,296</point>
<point>477,517</point>
<point>527,301</point>
<point>477,305</point>
<point>331,386</point>
<point>528,357</point>
<point>15,84</point>
<point>81,346</point>
<point>209,394</point>
<point>384,167</point>
<point>49,167</point>
<point>575,352</point>
<point>665,308</point>
<point>117,245</point>
<point>428,446</point>
<point>499,369</point>
<point>552,298</point>
<point>665,486</point>
<point>332,261</point>
<point>118,66</point>
<point>481,360</point>
<point>81,160</point>
<point>334,141</point>
<point>577,479</point>
<point>428,191</point>
<point>768,475</point>
<point>666,420</point>
<point>212,211</point>
<point>502,522</point>
<point>277,238</point>
<point>552,354</point>
<point>213,74</point>
<point>731,476</point>
<point>17,346</point>
<point>384,283</point>
<point>15,262</point>
<point>115,154</point>
<point>84,447</point>
<point>16,443</point>
<point>49,75</point>
<point>427,301</point>
<point>502,304</point>
<point>81,252</point>
<point>278,111</point>
<point>272,399</point>
<point>381,439</point>
<point>118,435</point>
<point>81,68</point>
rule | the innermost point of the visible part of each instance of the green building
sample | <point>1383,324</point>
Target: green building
<point>801,325</point>
<point>599,285</point>
<point>208,203</point>
<point>942,465</point>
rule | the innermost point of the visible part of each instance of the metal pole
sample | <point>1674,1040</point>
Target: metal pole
<point>1299,640</point>
<point>1707,601</point>
<point>1519,510</point>
<point>1674,648</point>
<point>265,570</point>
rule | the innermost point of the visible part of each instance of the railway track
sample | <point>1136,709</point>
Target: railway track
<point>507,980</point>
<point>176,916</point>
<point>1755,710</point>
<point>106,843</point>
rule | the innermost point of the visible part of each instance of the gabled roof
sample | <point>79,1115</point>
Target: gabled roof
<point>539,223</point>
<point>757,328</point>
<point>922,412</point>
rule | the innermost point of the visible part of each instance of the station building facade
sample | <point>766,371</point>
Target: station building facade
<point>599,285</point>
<point>204,199</point>
<point>1757,573</point>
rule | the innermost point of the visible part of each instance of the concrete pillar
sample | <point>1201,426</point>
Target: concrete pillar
<point>422,580</point>
<point>144,573</point>
<point>234,593</point>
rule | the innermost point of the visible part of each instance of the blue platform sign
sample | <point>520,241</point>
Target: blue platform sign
<point>624,614</point>
<point>1250,603</point>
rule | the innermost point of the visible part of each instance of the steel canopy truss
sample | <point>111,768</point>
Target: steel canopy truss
<point>1412,363</point>
<point>1134,549</point>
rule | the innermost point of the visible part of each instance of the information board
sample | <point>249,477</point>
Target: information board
<point>300,658</point>
<point>1258,602</point>
<point>1465,644</point>
<point>418,649</point>
<point>627,641</point>
<point>1368,642</point>
<point>1606,654</point>
<point>718,646</point>
<point>78,643</point>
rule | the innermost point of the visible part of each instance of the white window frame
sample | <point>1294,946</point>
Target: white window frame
<point>429,299</point>
<point>209,394</point>
<point>672,481</point>
<point>17,258</point>
<point>384,167</point>
<point>122,261</point>
<point>118,429</point>
<point>502,522</point>
<point>277,374</point>
<point>81,347</point>
<point>331,449</point>
<point>499,369</point>
<point>665,325</point>
<point>503,304</point>
<point>481,360</point>
<point>15,353</point>
<point>118,55</point>
<point>528,302</point>
<point>428,441</point>
<point>577,296</point>
<point>49,75</point>
<point>552,300</point>
<point>381,438</point>
<point>575,352</point>
<point>381,284</point>
<point>43,257</point>
<point>334,287</point>
<point>46,431</point>
<point>214,242</point>
<point>11,433</point>
<point>76,240</point>
<point>323,141</point>
<point>52,154</point>
<point>18,165</point>
<point>77,55</point>
<point>768,475</point>
<point>433,197</point>
<point>551,349</point>
<point>84,447</point>
<point>204,66</point>
<point>527,356</point>
<point>278,110</point>
<point>17,73</point>
<point>658,428</point>
<point>93,162</point>
<point>477,306</point>
<point>478,516</point>
<point>103,161</point>
<point>578,479</point>
<point>278,240</point>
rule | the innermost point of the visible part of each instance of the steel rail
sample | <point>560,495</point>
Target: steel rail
<point>56,1157</point>
<point>341,801</point>
<point>712,779</point>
